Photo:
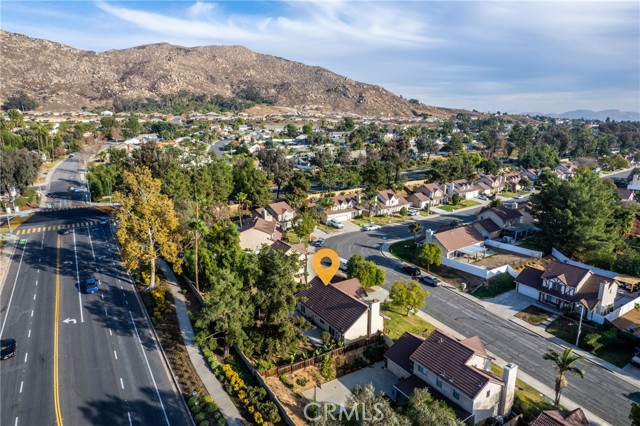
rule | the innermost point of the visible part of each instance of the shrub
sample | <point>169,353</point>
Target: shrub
<point>404,211</point>
<point>301,381</point>
<point>327,371</point>
<point>285,381</point>
<point>199,417</point>
<point>204,423</point>
<point>592,340</point>
<point>326,337</point>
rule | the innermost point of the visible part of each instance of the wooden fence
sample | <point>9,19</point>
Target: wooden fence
<point>318,359</point>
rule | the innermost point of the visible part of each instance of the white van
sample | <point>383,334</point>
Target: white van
<point>343,264</point>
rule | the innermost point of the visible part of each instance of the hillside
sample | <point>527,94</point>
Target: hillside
<point>63,78</point>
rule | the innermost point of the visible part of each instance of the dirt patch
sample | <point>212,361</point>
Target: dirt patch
<point>502,258</point>
<point>533,315</point>
<point>292,399</point>
<point>630,318</point>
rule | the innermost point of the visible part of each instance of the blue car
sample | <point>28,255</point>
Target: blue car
<point>91,286</point>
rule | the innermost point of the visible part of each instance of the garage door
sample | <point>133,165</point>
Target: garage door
<point>340,217</point>
<point>528,291</point>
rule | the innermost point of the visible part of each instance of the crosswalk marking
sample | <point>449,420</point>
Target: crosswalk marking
<point>36,229</point>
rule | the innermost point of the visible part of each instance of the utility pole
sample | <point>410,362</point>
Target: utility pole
<point>8,219</point>
<point>579,324</point>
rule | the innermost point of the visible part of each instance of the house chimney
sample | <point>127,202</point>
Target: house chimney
<point>452,186</point>
<point>509,375</point>
<point>373,317</point>
<point>428,236</point>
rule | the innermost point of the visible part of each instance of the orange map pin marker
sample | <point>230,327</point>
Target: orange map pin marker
<point>326,273</point>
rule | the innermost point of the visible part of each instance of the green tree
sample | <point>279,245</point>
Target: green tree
<point>376,405</point>
<point>429,254</point>
<point>496,202</point>
<point>580,216</point>
<point>131,127</point>
<point>424,410</point>
<point>297,189</point>
<point>305,224</point>
<point>147,223</point>
<point>252,181</point>
<point>227,311</point>
<point>455,199</point>
<point>20,101</point>
<point>242,201</point>
<point>307,129</point>
<point>276,299</point>
<point>410,297</point>
<point>563,363</point>
<point>18,168</point>
<point>634,415</point>
<point>291,130</point>
<point>277,167</point>
<point>415,228</point>
<point>367,272</point>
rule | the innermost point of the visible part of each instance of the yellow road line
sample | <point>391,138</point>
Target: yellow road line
<point>56,320</point>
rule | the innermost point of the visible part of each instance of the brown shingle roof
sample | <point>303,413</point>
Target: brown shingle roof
<point>266,226</point>
<point>402,349</point>
<point>489,225</point>
<point>506,213</point>
<point>334,306</point>
<point>530,277</point>
<point>561,418</point>
<point>446,357</point>
<point>276,209</point>
<point>458,238</point>
<point>351,287</point>
<point>572,274</point>
<point>285,247</point>
<point>419,196</point>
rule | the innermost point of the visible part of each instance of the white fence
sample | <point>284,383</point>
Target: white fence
<point>513,248</point>
<point>611,316</point>
<point>478,271</point>
<point>598,271</point>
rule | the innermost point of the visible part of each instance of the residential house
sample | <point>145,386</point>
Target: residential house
<point>512,180</point>
<point>435,193</point>
<point>456,370</point>
<point>419,200</point>
<point>488,228</point>
<point>281,212</point>
<point>464,240</point>
<point>531,174</point>
<point>257,231</point>
<point>345,207</point>
<point>564,171</point>
<point>388,202</point>
<point>561,418</point>
<point>567,286</point>
<point>626,195</point>
<point>465,189</point>
<point>342,308</point>
<point>496,183</point>
<point>503,216</point>
<point>484,188</point>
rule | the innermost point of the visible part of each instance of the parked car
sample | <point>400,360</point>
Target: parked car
<point>412,270</point>
<point>431,280</point>
<point>334,223</point>
<point>413,212</point>
<point>482,197</point>
<point>104,221</point>
<point>8,348</point>
<point>372,227</point>
<point>319,242</point>
<point>91,286</point>
<point>636,359</point>
<point>63,231</point>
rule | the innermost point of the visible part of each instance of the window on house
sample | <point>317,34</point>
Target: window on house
<point>488,393</point>
<point>456,394</point>
<point>421,369</point>
<point>322,322</point>
<point>439,383</point>
<point>302,309</point>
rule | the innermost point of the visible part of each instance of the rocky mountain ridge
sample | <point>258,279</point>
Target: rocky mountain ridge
<point>60,77</point>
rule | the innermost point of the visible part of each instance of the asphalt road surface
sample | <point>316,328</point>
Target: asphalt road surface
<point>600,391</point>
<point>82,359</point>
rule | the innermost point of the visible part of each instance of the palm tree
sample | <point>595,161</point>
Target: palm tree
<point>372,196</point>
<point>197,228</point>
<point>242,200</point>
<point>564,363</point>
<point>415,228</point>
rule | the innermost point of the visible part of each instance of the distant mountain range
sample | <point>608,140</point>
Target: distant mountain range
<point>613,114</point>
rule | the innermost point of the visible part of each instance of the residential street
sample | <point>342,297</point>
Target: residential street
<point>600,391</point>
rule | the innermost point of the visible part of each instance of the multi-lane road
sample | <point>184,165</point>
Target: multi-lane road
<point>82,359</point>
<point>601,392</point>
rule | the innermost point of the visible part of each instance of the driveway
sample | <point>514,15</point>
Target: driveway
<point>337,391</point>
<point>506,305</point>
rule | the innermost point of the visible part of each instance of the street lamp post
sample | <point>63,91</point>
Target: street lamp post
<point>580,324</point>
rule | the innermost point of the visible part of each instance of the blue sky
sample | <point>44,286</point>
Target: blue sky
<point>515,56</point>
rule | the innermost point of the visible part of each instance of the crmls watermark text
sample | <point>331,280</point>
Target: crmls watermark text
<point>315,411</point>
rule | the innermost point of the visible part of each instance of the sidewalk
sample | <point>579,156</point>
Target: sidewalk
<point>214,387</point>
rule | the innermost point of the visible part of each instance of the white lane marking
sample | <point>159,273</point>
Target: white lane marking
<point>129,415</point>
<point>32,313</point>
<point>121,383</point>
<point>110,334</point>
<point>36,282</point>
<point>119,281</point>
<point>37,272</point>
<point>21,383</point>
<point>6,314</point>
<point>105,312</point>
<point>34,297</point>
<point>91,242</point>
<point>26,355</point>
<point>29,333</point>
<point>78,276</point>
<point>115,354</point>
<point>16,423</point>
<point>126,301</point>
<point>42,242</point>
<point>144,353</point>
<point>102,295</point>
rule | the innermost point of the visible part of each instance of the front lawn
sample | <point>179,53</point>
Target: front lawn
<point>379,220</point>
<point>397,323</point>
<point>404,250</point>
<point>617,351</point>
<point>461,205</point>
<point>497,285</point>
<point>533,315</point>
